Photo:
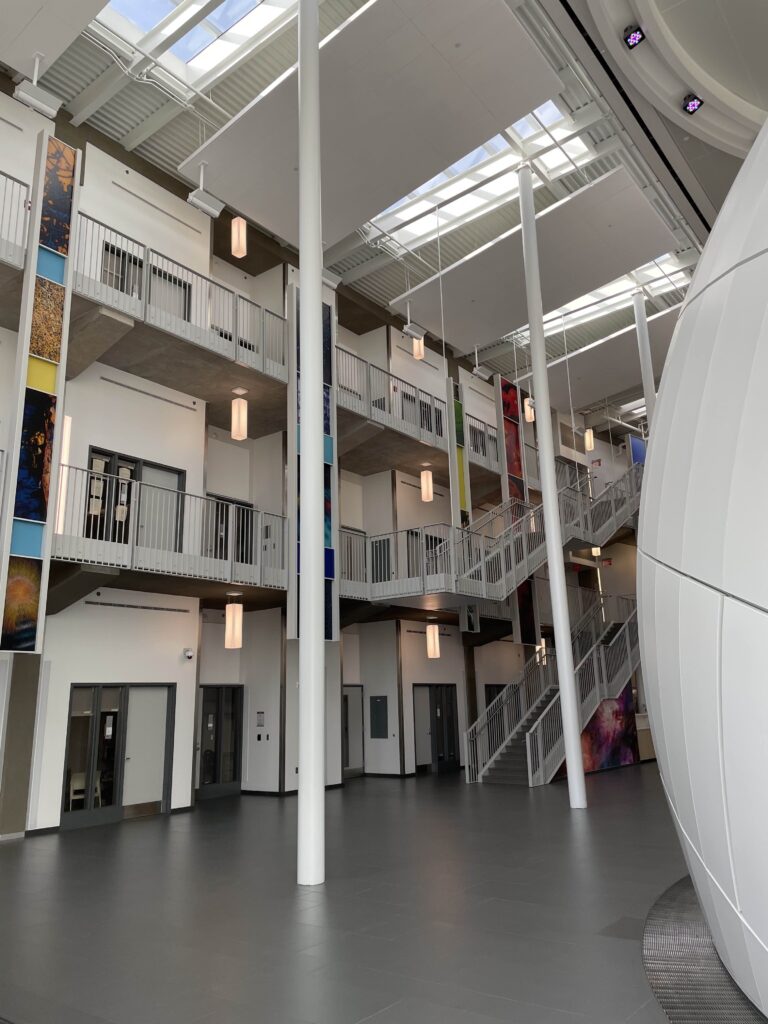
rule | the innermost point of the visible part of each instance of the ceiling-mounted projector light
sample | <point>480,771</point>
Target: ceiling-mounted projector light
<point>633,36</point>
<point>414,331</point>
<point>692,103</point>
<point>202,200</point>
<point>37,98</point>
<point>481,371</point>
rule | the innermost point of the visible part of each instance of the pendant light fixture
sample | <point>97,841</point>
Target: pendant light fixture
<point>595,552</point>
<point>427,490</point>
<point>589,439</point>
<point>233,625</point>
<point>433,640</point>
<point>530,412</point>
<point>239,237</point>
<point>239,427</point>
<point>415,333</point>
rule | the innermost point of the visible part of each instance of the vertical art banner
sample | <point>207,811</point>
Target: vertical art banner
<point>329,449</point>
<point>42,351</point>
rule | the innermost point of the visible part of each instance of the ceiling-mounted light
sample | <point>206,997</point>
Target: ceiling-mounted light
<point>589,439</point>
<point>202,200</point>
<point>233,625</point>
<point>692,103</point>
<point>239,428</point>
<point>418,348</point>
<point>595,552</point>
<point>414,331</point>
<point>633,36</point>
<point>529,410</point>
<point>239,237</point>
<point>433,640</point>
<point>427,490</point>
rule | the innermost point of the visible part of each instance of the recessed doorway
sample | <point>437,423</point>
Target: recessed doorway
<point>221,740</point>
<point>436,728</point>
<point>352,731</point>
<point>119,753</point>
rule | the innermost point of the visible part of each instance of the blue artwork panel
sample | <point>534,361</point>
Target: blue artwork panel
<point>50,265</point>
<point>330,564</point>
<point>637,448</point>
<point>328,450</point>
<point>27,539</point>
<point>327,506</point>
<point>35,456</point>
<point>57,196</point>
<point>329,609</point>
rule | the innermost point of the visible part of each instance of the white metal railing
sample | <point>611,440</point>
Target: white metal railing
<point>378,395</point>
<point>14,210</point>
<point>601,674</point>
<point>482,443</point>
<point>120,272</point>
<point>507,714</point>
<point>353,576</point>
<point>103,519</point>
<point>409,562</point>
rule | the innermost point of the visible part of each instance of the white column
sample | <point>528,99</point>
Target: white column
<point>311,802</point>
<point>644,346</point>
<point>569,702</point>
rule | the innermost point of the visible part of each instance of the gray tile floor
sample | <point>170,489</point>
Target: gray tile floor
<point>445,904</point>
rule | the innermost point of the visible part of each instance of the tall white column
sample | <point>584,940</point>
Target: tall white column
<point>311,802</point>
<point>569,702</point>
<point>644,347</point>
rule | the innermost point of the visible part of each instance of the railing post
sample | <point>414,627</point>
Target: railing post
<point>134,490</point>
<point>146,277</point>
<point>257,539</point>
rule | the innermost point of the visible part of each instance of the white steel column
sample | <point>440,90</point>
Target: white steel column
<point>311,802</point>
<point>644,346</point>
<point>569,700</point>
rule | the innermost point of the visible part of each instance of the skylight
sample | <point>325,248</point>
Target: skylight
<point>478,180</point>
<point>208,43</point>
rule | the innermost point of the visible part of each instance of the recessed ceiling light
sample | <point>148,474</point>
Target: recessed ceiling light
<point>633,36</point>
<point>692,103</point>
<point>239,391</point>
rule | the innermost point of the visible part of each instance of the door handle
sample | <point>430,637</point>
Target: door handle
<point>128,757</point>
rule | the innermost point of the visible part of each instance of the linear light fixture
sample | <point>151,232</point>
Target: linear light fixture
<point>427,489</point>
<point>433,640</point>
<point>530,411</point>
<point>589,439</point>
<point>595,552</point>
<point>239,427</point>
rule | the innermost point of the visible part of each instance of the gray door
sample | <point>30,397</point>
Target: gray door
<point>145,749</point>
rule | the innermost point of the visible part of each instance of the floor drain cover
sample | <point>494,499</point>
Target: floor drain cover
<point>683,968</point>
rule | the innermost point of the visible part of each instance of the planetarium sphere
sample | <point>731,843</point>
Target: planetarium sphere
<point>703,578</point>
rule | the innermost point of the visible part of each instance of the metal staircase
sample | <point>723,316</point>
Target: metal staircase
<point>518,739</point>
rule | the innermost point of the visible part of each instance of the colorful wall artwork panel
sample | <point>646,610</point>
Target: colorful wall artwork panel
<point>35,456</point>
<point>516,488</point>
<point>47,320</point>
<point>512,442</point>
<point>22,604</point>
<point>57,196</point>
<point>510,402</point>
<point>610,738</point>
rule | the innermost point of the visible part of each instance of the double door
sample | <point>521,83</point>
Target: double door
<point>118,760</point>
<point>221,740</point>
<point>436,728</point>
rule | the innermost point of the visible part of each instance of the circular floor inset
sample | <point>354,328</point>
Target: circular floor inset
<point>683,968</point>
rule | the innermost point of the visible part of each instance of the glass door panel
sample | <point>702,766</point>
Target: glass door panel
<point>221,730</point>
<point>78,749</point>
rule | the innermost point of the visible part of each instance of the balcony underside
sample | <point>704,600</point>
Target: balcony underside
<point>366,448</point>
<point>146,351</point>
<point>70,581</point>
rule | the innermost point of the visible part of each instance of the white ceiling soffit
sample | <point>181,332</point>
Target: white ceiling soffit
<point>604,230</point>
<point>611,366</point>
<point>712,48</point>
<point>407,88</point>
<point>41,26</point>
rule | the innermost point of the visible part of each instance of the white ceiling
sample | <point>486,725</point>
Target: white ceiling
<point>41,26</point>
<point>604,230</point>
<point>407,88</point>
<point>611,367</point>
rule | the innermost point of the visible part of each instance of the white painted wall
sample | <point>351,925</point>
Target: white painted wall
<point>261,675</point>
<point>479,397</point>
<point>419,669</point>
<point>429,374</point>
<point>613,464</point>
<point>378,674</point>
<point>497,663</point>
<point>268,473</point>
<point>620,577</point>
<point>377,503</point>
<point>372,346</point>
<point>135,206</point>
<point>351,500</point>
<point>19,128</point>
<point>227,466</point>
<point>412,511</point>
<point>94,642</point>
<point>135,417</point>
<point>265,289</point>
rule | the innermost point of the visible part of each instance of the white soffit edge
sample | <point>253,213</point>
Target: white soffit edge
<point>604,230</point>
<point>611,366</point>
<point>407,88</point>
<point>41,26</point>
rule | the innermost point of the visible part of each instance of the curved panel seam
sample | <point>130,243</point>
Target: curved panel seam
<point>725,273</point>
<point>721,753</point>
<point>703,583</point>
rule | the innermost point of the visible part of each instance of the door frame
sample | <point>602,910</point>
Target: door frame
<point>352,773</point>
<point>434,768</point>
<point>216,789</point>
<point>116,812</point>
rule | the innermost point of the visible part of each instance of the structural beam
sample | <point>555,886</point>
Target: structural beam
<point>569,701</point>
<point>311,801</point>
<point>644,348</point>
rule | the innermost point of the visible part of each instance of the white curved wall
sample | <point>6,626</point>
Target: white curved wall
<point>703,578</point>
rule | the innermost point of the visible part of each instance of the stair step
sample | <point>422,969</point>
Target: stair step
<point>489,780</point>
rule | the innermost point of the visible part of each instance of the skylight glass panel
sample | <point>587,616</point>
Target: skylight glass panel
<point>548,113</point>
<point>144,14</point>
<point>194,42</point>
<point>230,12</point>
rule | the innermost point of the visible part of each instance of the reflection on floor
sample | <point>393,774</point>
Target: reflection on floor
<point>445,904</point>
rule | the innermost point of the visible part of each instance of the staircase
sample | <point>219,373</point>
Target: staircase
<point>518,739</point>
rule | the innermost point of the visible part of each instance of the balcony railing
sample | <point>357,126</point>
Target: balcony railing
<point>14,210</point>
<point>118,271</point>
<point>482,443</point>
<point>378,395</point>
<point>112,520</point>
<point>353,581</point>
